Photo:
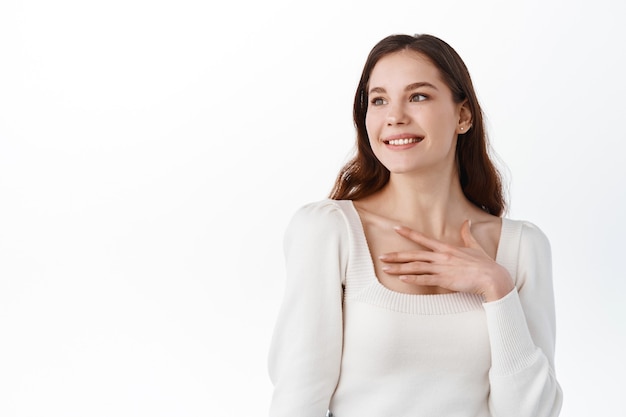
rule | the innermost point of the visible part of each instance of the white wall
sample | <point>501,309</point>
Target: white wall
<point>151,153</point>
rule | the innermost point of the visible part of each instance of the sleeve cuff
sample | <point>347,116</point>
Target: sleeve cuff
<point>512,347</point>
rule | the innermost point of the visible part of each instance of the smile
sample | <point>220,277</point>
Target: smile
<point>402,141</point>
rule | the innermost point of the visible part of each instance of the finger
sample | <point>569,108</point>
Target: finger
<point>412,256</point>
<point>410,268</point>
<point>468,238</point>
<point>424,279</point>
<point>418,237</point>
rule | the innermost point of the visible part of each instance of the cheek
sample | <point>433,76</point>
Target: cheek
<point>446,121</point>
<point>371,126</point>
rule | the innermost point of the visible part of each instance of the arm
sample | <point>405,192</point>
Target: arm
<point>522,334</point>
<point>305,354</point>
<point>520,317</point>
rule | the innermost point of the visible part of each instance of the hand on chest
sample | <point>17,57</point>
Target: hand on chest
<point>382,239</point>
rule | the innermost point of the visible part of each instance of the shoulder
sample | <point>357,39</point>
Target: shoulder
<point>321,219</point>
<point>526,251</point>
<point>321,213</point>
<point>528,233</point>
<point>319,210</point>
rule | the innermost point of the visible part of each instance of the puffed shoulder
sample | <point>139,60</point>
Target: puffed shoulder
<point>535,257</point>
<point>534,239</point>
<point>320,221</point>
<point>317,237</point>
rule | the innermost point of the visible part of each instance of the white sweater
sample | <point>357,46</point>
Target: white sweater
<point>345,342</point>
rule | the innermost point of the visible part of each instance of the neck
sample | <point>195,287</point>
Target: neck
<point>433,204</point>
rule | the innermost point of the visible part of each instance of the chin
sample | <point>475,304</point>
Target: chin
<point>403,170</point>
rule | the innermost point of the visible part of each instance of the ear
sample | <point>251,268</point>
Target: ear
<point>465,118</point>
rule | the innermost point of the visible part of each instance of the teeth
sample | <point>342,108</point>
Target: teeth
<point>404,141</point>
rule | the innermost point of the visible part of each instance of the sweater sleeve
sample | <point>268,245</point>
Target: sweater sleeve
<point>522,335</point>
<point>305,353</point>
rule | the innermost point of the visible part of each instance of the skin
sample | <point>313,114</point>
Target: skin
<point>424,235</point>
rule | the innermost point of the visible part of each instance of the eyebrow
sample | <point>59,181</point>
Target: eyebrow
<point>409,87</point>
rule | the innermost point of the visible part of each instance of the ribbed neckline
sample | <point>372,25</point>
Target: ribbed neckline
<point>363,285</point>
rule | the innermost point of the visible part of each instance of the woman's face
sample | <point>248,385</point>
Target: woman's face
<point>411,120</point>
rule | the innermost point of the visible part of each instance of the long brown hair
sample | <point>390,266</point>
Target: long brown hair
<point>364,174</point>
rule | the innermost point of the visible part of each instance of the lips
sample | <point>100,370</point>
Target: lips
<point>405,141</point>
<point>402,139</point>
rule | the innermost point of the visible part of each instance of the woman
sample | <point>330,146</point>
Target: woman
<point>407,292</point>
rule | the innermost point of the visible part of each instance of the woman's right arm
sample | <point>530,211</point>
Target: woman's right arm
<point>305,353</point>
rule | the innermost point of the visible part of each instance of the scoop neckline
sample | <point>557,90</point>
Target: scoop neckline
<point>371,270</point>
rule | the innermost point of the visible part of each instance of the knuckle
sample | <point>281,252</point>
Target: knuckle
<point>446,257</point>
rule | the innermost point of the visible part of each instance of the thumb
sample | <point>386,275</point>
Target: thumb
<point>468,238</point>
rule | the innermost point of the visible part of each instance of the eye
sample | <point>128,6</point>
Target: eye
<point>378,101</point>
<point>418,97</point>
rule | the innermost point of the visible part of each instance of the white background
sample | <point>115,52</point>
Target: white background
<point>152,152</point>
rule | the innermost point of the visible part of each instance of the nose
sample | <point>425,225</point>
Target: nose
<point>396,114</point>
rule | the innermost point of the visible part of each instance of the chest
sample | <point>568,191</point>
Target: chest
<point>381,239</point>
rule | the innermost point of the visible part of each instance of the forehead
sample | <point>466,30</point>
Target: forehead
<point>404,66</point>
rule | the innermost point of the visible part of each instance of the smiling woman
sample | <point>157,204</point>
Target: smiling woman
<point>407,292</point>
<point>396,101</point>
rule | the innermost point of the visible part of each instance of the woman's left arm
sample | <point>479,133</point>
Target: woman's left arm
<point>522,334</point>
<point>520,313</point>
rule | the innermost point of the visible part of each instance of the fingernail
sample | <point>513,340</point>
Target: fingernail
<point>386,268</point>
